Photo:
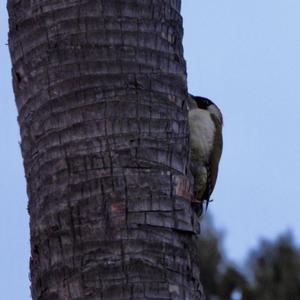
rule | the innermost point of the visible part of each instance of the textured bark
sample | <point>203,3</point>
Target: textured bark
<point>100,88</point>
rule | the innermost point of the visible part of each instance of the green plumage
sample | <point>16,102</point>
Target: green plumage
<point>206,147</point>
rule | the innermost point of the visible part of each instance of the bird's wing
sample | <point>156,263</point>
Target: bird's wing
<point>213,164</point>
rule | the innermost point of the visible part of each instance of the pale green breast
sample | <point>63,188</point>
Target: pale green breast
<point>202,130</point>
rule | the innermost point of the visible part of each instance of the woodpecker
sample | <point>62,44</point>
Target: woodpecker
<point>205,123</point>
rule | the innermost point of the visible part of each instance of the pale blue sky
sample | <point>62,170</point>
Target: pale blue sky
<point>245,55</point>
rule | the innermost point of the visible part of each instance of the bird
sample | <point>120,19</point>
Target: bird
<point>205,131</point>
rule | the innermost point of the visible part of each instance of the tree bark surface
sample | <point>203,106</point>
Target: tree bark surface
<point>100,88</point>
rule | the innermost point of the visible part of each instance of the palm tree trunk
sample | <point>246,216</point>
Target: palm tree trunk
<point>100,88</point>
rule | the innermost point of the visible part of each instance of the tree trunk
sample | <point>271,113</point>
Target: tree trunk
<point>100,88</point>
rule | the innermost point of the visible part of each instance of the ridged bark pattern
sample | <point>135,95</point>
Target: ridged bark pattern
<point>100,88</point>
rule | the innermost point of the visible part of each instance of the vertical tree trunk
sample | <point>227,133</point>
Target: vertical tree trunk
<point>100,87</point>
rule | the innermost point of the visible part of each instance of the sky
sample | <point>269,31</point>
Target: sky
<point>244,55</point>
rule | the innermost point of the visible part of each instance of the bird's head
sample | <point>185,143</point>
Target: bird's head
<point>206,104</point>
